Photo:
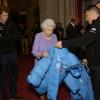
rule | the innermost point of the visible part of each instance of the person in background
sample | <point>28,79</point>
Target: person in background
<point>79,27</point>
<point>73,30</point>
<point>91,38</point>
<point>24,45</point>
<point>44,40</point>
<point>8,55</point>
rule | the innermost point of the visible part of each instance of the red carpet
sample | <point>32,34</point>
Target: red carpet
<point>25,64</point>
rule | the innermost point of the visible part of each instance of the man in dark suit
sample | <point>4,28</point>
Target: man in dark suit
<point>72,31</point>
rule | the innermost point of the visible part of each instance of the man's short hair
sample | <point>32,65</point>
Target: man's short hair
<point>93,8</point>
<point>5,9</point>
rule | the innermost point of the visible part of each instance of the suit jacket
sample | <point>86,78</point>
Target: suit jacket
<point>71,31</point>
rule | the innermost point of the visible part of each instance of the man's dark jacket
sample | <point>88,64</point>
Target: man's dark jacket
<point>91,38</point>
<point>8,38</point>
<point>71,31</point>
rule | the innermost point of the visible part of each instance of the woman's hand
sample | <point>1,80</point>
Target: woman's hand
<point>45,53</point>
<point>40,54</point>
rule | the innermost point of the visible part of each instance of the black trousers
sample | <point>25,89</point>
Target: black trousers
<point>8,68</point>
<point>95,75</point>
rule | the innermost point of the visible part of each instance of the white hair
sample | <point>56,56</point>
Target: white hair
<point>48,22</point>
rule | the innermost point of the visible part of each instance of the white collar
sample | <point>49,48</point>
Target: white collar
<point>73,24</point>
